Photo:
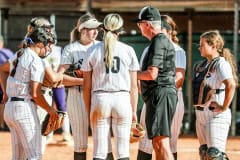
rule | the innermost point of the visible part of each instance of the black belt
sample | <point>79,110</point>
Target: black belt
<point>18,99</point>
<point>110,91</point>
<point>202,108</point>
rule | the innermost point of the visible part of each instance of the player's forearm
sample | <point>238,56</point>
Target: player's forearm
<point>3,77</point>
<point>38,98</point>
<point>229,92</point>
<point>87,87</point>
<point>134,91</point>
<point>180,75</point>
<point>72,81</point>
<point>150,74</point>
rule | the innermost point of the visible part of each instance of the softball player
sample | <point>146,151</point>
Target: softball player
<point>51,62</point>
<point>145,145</point>
<point>24,91</point>
<point>110,90</point>
<point>212,123</point>
<point>82,37</point>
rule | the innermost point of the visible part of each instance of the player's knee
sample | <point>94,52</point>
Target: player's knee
<point>214,153</point>
<point>202,151</point>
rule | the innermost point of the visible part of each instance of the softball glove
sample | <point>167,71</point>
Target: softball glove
<point>137,132</point>
<point>48,126</point>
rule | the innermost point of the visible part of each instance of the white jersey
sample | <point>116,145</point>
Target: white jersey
<point>54,58</point>
<point>115,78</point>
<point>29,68</point>
<point>215,79</point>
<point>180,60</point>
<point>75,53</point>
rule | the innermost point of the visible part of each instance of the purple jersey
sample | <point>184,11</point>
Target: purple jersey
<point>5,54</point>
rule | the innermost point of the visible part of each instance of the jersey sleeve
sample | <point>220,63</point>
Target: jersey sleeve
<point>224,70</point>
<point>37,71</point>
<point>67,57</point>
<point>180,59</point>
<point>134,66</point>
<point>86,66</point>
<point>156,54</point>
<point>46,63</point>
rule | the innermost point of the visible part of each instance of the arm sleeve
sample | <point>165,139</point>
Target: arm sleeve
<point>156,53</point>
<point>180,59</point>
<point>37,71</point>
<point>86,66</point>
<point>224,71</point>
<point>134,66</point>
<point>67,57</point>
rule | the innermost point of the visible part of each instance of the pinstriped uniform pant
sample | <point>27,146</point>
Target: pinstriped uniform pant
<point>212,128</point>
<point>22,120</point>
<point>107,108</point>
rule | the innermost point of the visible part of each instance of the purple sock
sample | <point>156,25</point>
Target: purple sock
<point>59,96</point>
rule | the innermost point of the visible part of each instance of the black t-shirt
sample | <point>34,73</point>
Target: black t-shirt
<point>161,54</point>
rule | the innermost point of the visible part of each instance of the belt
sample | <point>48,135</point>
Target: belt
<point>18,99</point>
<point>202,108</point>
<point>110,91</point>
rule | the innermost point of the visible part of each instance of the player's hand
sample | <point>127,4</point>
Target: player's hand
<point>53,115</point>
<point>78,73</point>
<point>216,107</point>
<point>4,99</point>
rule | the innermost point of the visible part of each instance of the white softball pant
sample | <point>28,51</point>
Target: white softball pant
<point>145,144</point>
<point>22,120</point>
<point>107,108</point>
<point>212,128</point>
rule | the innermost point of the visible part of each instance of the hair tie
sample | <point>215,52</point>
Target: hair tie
<point>29,40</point>
<point>114,31</point>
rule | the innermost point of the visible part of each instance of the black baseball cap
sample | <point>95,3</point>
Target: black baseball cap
<point>148,13</point>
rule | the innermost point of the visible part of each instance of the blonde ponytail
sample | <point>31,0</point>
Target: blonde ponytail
<point>112,25</point>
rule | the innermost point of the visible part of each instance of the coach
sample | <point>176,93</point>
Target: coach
<point>157,82</point>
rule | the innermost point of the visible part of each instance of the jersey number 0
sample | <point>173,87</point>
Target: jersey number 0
<point>116,65</point>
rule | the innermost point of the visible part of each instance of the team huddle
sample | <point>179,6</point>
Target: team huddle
<point>103,80</point>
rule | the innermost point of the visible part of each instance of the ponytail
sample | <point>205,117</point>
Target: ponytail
<point>109,43</point>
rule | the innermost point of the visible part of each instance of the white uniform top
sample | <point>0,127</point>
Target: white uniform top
<point>215,79</point>
<point>29,68</point>
<point>75,53</point>
<point>54,58</point>
<point>116,78</point>
<point>180,60</point>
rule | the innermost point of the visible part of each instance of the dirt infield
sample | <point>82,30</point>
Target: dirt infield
<point>187,148</point>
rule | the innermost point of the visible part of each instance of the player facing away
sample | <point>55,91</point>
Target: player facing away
<point>157,78</point>
<point>23,88</point>
<point>145,145</point>
<point>83,36</point>
<point>214,83</point>
<point>110,90</point>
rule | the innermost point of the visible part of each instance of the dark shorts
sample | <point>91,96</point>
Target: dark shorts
<point>160,108</point>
